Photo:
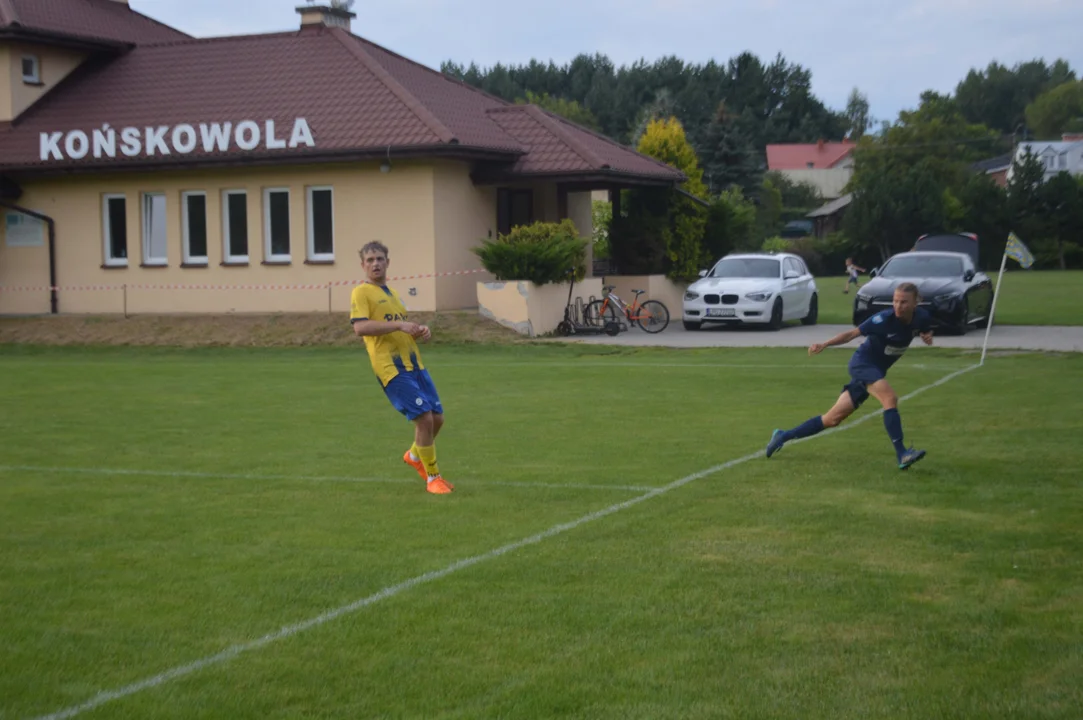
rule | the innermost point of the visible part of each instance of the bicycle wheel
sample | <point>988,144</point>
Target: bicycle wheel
<point>597,314</point>
<point>653,316</point>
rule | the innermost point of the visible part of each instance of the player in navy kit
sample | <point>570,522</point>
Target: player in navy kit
<point>887,336</point>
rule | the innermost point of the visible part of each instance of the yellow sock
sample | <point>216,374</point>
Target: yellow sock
<point>428,456</point>
<point>413,451</point>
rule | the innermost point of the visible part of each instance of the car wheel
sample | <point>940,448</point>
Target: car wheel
<point>813,311</point>
<point>776,315</point>
<point>691,325</point>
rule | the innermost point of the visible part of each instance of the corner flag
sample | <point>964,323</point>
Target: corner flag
<point>1014,249</point>
<point>1017,250</point>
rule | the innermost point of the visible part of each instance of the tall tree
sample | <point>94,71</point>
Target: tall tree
<point>661,107</point>
<point>894,204</point>
<point>857,114</point>
<point>728,155</point>
<point>1057,111</point>
<point>998,96</point>
<point>1061,199</point>
<point>568,109</point>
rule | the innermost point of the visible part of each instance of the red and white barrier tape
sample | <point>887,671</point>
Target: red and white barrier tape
<point>143,286</point>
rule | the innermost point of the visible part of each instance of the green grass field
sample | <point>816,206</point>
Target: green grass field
<point>232,534</point>
<point>1030,298</point>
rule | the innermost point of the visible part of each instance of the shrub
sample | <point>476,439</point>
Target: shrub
<point>601,215</point>
<point>541,253</point>
<point>776,244</point>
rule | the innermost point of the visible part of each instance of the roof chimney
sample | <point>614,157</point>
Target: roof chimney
<point>330,13</point>
<point>820,144</point>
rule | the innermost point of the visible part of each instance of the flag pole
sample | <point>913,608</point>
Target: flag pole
<point>992,309</point>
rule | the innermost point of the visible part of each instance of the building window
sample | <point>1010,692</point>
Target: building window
<point>31,69</point>
<point>23,230</point>
<point>321,224</point>
<point>235,226</point>
<point>513,208</point>
<point>195,228</point>
<point>276,224</point>
<point>115,230</point>
<point>155,246</point>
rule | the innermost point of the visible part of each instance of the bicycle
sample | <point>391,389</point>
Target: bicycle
<point>652,315</point>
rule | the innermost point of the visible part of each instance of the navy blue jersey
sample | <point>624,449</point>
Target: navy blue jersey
<point>887,337</point>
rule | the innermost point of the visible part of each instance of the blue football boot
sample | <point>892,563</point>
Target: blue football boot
<point>910,457</point>
<point>776,443</point>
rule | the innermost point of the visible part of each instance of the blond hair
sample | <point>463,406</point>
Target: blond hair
<point>374,246</point>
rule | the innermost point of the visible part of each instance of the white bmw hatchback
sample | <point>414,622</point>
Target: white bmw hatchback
<point>761,288</point>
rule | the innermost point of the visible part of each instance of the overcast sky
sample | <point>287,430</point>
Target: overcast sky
<point>892,53</point>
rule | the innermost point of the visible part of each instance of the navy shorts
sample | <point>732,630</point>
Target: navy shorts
<point>413,394</point>
<point>861,376</point>
<point>852,280</point>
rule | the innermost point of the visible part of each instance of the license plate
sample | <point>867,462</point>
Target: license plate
<point>721,312</point>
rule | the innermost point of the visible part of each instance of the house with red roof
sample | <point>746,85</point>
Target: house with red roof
<point>207,174</point>
<point>827,166</point>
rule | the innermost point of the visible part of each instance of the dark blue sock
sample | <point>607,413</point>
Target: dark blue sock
<point>806,429</point>
<point>893,424</point>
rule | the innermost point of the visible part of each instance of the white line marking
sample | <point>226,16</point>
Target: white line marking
<point>305,478</point>
<point>586,363</point>
<point>725,366</point>
<point>392,590</point>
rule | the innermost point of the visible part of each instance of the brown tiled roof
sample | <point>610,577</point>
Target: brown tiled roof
<point>557,146</point>
<point>101,20</point>
<point>359,100</point>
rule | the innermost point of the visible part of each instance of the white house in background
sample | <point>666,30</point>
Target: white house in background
<point>827,166</point>
<point>1065,155</point>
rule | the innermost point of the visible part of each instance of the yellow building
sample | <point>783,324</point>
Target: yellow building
<point>145,170</point>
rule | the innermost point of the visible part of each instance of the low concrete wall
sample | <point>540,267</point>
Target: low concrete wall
<point>530,309</point>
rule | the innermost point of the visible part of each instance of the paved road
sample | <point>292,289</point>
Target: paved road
<point>1005,337</point>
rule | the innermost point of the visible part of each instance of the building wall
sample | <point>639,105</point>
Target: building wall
<point>395,207</point>
<point>830,182</point>
<point>54,64</point>
<point>464,216</point>
<point>5,83</point>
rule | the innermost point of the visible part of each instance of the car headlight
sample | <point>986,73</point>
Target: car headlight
<point>862,301</point>
<point>759,296</point>
<point>691,296</point>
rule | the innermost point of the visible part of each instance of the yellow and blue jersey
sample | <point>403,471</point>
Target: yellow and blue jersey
<point>395,352</point>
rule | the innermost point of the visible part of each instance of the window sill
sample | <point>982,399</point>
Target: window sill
<point>154,265</point>
<point>33,83</point>
<point>319,262</point>
<point>277,262</point>
<point>115,267</point>
<point>234,263</point>
<point>189,265</point>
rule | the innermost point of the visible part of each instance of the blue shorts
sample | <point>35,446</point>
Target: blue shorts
<point>852,280</point>
<point>413,394</point>
<point>862,375</point>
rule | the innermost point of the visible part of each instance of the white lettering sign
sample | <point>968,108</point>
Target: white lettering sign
<point>181,139</point>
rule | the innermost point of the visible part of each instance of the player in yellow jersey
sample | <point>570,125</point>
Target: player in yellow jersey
<point>378,315</point>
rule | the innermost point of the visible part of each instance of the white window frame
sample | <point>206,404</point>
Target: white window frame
<point>146,199</point>
<point>268,253</point>
<point>226,256</point>
<point>35,76</point>
<point>189,258</point>
<point>310,240</point>
<point>111,261</point>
